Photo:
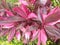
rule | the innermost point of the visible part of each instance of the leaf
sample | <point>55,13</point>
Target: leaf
<point>27,35</point>
<point>20,12</point>
<point>32,1</point>
<point>11,19</point>
<point>10,25</point>
<point>23,29</point>
<point>11,34</point>
<point>39,15</point>
<point>9,13</point>
<point>53,23</point>
<point>4,4</point>
<point>18,35</point>
<point>32,15</point>
<point>31,28</point>
<point>25,9</point>
<point>57,25</point>
<point>53,16</point>
<point>52,32</point>
<point>34,35</point>
<point>42,38</point>
<point>3,32</point>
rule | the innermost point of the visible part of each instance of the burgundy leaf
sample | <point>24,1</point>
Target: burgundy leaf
<point>31,28</point>
<point>52,31</point>
<point>4,4</point>
<point>20,12</point>
<point>57,25</point>
<point>3,32</point>
<point>25,9</point>
<point>53,23</point>
<point>53,16</point>
<point>11,34</point>
<point>32,1</point>
<point>10,25</point>
<point>39,15</point>
<point>11,19</point>
<point>9,13</point>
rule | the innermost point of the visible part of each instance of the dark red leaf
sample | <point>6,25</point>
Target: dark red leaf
<point>52,31</point>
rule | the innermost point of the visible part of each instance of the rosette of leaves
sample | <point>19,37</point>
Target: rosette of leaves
<point>32,19</point>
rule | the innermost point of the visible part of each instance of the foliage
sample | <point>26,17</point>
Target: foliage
<point>56,2</point>
<point>29,22</point>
